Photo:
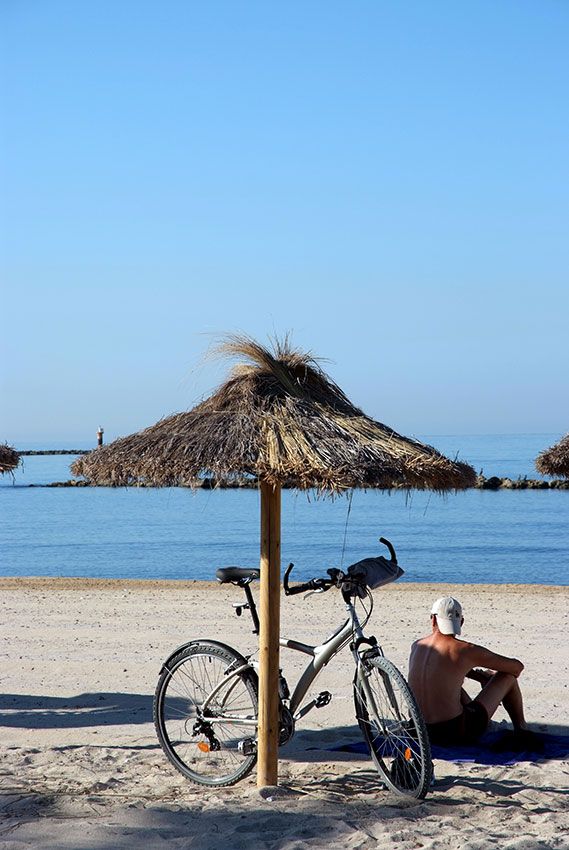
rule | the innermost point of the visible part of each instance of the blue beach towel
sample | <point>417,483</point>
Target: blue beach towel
<point>491,749</point>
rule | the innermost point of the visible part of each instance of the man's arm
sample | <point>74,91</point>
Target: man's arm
<point>482,657</point>
<point>482,676</point>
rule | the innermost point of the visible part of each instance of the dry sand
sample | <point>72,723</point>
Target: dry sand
<point>82,769</point>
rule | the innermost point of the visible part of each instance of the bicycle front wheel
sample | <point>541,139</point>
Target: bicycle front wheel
<point>393,727</point>
<point>206,714</point>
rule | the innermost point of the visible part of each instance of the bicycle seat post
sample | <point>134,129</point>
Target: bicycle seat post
<point>244,583</point>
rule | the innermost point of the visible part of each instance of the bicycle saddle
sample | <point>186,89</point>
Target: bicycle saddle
<point>226,574</point>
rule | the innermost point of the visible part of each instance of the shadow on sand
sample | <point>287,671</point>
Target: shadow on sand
<point>340,743</point>
<point>292,819</point>
<point>83,710</point>
<point>346,742</point>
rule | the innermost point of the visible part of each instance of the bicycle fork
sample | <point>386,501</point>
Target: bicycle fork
<point>360,647</point>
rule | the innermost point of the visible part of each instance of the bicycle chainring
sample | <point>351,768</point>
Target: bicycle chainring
<point>287,725</point>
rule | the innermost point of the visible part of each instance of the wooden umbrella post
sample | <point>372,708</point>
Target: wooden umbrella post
<point>269,611</point>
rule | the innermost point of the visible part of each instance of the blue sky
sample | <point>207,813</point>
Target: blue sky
<point>386,180</point>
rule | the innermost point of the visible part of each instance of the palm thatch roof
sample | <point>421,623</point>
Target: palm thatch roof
<point>555,460</point>
<point>278,418</point>
<point>9,458</point>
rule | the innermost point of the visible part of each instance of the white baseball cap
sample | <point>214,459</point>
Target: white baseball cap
<point>448,612</point>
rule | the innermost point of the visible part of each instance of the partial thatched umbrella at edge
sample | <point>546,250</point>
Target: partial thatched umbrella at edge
<point>280,418</point>
<point>9,458</point>
<point>555,460</point>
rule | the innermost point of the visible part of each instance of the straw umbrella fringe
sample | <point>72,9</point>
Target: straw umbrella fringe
<point>9,458</point>
<point>555,460</point>
<point>281,419</point>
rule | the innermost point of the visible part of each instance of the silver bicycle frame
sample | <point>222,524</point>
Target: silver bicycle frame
<point>321,654</point>
<point>222,686</point>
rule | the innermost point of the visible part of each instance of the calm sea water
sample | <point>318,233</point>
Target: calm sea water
<point>476,536</point>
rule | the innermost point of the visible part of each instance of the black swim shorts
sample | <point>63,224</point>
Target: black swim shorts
<point>470,724</point>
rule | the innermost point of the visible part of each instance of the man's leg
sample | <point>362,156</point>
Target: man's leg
<point>514,705</point>
<point>503,688</point>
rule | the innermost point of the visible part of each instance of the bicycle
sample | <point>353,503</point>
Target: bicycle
<point>205,705</point>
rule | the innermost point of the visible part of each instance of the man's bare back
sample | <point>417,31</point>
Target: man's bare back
<point>438,665</point>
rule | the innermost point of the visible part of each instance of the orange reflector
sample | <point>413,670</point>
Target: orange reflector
<point>203,747</point>
<point>408,754</point>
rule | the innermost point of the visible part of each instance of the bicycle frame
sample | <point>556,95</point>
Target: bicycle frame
<point>320,654</point>
<point>222,686</point>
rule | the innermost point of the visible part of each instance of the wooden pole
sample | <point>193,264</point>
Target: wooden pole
<point>269,621</point>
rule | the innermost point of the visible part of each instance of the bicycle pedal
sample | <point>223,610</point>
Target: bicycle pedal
<point>322,699</point>
<point>247,747</point>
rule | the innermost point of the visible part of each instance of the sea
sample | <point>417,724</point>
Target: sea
<point>475,536</point>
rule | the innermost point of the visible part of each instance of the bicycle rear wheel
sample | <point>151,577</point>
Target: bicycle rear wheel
<point>206,715</point>
<point>393,727</point>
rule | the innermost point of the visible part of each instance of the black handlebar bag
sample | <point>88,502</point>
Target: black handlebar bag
<point>374,573</point>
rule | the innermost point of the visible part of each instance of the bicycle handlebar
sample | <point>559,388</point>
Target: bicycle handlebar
<point>390,547</point>
<point>337,577</point>
<point>320,584</point>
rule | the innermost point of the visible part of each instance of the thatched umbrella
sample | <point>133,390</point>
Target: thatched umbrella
<point>555,460</point>
<point>9,458</point>
<point>279,418</point>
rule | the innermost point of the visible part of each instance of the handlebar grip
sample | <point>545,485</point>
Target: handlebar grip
<point>390,547</point>
<point>300,588</point>
<point>318,584</point>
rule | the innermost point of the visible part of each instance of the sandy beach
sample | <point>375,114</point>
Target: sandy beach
<point>82,767</point>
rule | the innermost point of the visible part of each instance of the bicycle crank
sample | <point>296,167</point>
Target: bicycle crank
<point>319,701</point>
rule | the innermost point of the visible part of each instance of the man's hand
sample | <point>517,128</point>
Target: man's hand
<point>494,663</point>
<point>482,676</point>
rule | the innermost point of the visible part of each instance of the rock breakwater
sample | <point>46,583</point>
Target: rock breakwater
<point>492,482</point>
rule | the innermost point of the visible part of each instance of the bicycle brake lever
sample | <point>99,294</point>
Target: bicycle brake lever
<point>312,592</point>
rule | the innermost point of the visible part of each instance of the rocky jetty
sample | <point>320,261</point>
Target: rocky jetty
<point>32,453</point>
<point>71,483</point>
<point>495,483</point>
<point>209,483</point>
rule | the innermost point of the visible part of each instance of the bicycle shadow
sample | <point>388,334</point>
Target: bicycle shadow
<point>489,792</point>
<point>361,779</point>
<point>495,787</point>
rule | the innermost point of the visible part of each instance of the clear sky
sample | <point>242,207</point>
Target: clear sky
<point>387,180</point>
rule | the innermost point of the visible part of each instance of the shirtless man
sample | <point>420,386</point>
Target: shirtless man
<point>438,666</point>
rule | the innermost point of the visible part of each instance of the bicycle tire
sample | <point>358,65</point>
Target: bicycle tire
<point>393,727</point>
<point>207,750</point>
